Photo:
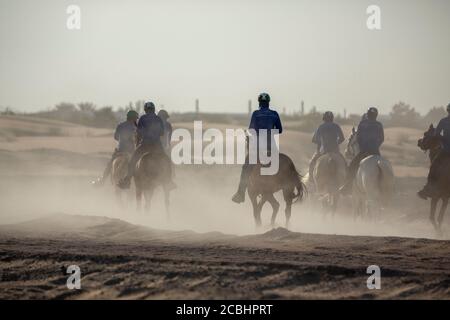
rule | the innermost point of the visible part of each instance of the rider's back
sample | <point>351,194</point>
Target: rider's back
<point>328,136</point>
<point>150,128</point>
<point>125,135</point>
<point>265,118</point>
<point>370,136</point>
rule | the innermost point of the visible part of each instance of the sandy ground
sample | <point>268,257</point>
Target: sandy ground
<point>50,217</point>
<point>123,261</point>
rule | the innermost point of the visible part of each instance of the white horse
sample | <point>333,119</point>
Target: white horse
<point>374,182</point>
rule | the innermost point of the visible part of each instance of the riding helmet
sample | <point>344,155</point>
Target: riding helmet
<point>328,116</point>
<point>372,113</point>
<point>132,115</point>
<point>163,114</point>
<point>149,106</point>
<point>264,97</point>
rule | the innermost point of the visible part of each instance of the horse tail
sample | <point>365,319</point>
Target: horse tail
<point>386,181</point>
<point>297,180</point>
<point>332,166</point>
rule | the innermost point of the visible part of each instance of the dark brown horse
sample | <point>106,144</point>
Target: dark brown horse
<point>286,179</point>
<point>432,143</point>
<point>151,171</point>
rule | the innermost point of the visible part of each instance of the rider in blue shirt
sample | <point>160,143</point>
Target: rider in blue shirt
<point>327,137</point>
<point>442,131</point>
<point>125,134</point>
<point>150,129</point>
<point>370,136</point>
<point>264,118</point>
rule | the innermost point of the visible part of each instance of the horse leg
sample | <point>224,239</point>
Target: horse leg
<point>356,204</point>
<point>167,202</point>
<point>335,200</point>
<point>287,194</point>
<point>259,207</point>
<point>256,215</point>
<point>117,192</point>
<point>148,197</point>
<point>275,207</point>
<point>138,199</point>
<point>442,212</point>
<point>433,207</point>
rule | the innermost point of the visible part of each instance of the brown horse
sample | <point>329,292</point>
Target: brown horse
<point>151,171</point>
<point>119,169</point>
<point>286,179</point>
<point>432,143</point>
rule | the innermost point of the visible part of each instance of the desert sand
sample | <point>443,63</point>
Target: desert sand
<point>51,217</point>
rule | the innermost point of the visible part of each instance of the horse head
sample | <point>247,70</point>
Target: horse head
<point>352,148</point>
<point>429,140</point>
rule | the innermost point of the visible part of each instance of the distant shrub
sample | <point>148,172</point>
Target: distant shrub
<point>55,132</point>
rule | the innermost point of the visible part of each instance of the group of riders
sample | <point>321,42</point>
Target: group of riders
<point>151,133</point>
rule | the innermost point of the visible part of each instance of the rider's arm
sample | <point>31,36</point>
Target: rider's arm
<point>140,129</point>
<point>278,123</point>
<point>341,137</point>
<point>315,138</point>
<point>117,133</point>
<point>381,134</point>
<point>439,128</point>
<point>170,132</point>
<point>161,127</point>
<point>252,124</point>
<point>359,134</point>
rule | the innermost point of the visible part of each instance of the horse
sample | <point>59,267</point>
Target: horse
<point>374,182</point>
<point>119,169</point>
<point>286,179</point>
<point>328,175</point>
<point>430,142</point>
<point>151,172</point>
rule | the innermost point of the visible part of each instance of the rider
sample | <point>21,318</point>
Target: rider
<point>442,157</point>
<point>150,129</point>
<point>370,136</point>
<point>167,136</point>
<point>264,118</point>
<point>327,137</point>
<point>125,134</point>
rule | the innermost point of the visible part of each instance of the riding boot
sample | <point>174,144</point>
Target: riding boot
<point>101,181</point>
<point>428,191</point>
<point>239,196</point>
<point>126,182</point>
